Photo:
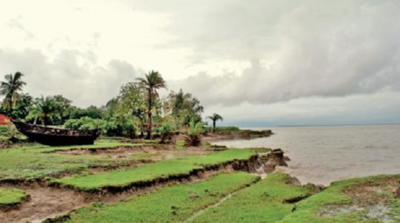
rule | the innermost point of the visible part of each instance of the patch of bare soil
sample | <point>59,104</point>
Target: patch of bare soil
<point>370,199</point>
<point>44,203</point>
<point>150,153</point>
<point>246,134</point>
<point>371,193</point>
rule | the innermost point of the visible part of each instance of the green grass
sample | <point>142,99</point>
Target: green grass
<point>10,197</point>
<point>171,204</point>
<point>179,144</point>
<point>228,130</point>
<point>308,210</point>
<point>262,202</point>
<point>31,161</point>
<point>98,144</point>
<point>151,171</point>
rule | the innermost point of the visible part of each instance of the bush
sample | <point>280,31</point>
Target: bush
<point>193,136</point>
<point>85,123</point>
<point>115,126</point>
<point>227,130</point>
<point>165,132</point>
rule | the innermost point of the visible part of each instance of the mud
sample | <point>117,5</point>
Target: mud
<point>44,203</point>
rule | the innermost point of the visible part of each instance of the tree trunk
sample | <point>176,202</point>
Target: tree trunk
<point>44,120</point>
<point>214,125</point>
<point>141,131</point>
<point>149,115</point>
<point>9,106</point>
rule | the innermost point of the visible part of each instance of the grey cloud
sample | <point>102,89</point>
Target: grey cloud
<point>312,48</point>
<point>72,73</point>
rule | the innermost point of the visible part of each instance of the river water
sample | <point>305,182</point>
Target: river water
<point>321,155</point>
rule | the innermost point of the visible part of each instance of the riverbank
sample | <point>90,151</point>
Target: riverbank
<point>118,180</point>
<point>231,133</point>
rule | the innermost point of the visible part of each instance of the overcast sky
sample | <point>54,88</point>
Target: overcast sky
<point>258,62</point>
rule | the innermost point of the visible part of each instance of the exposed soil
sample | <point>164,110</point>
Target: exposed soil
<point>371,193</point>
<point>44,202</point>
<point>14,206</point>
<point>245,134</point>
<point>369,199</point>
<point>144,152</point>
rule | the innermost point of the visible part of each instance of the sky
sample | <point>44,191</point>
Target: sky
<point>256,63</point>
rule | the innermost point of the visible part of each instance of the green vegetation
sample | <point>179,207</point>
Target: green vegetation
<point>262,202</point>
<point>11,89</point>
<point>171,204</point>
<point>182,108</point>
<point>44,109</point>
<point>151,171</point>
<point>351,201</point>
<point>10,197</point>
<point>152,82</point>
<point>193,136</point>
<point>228,130</point>
<point>31,161</point>
<point>214,118</point>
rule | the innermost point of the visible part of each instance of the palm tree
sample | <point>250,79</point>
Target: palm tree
<point>44,109</point>
<point>215,117</point>
<point>152,81</point>
<point>10,88</point>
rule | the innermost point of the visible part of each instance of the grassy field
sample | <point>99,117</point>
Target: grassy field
<point>360,200</point>
<point>9,197</point>
<point>273,200</point>
<point>262,202</point>
<point>32,161</point>
<point>151,171</point>
<point>171,204</point>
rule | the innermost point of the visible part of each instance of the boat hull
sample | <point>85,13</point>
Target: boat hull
<point>56,137</point>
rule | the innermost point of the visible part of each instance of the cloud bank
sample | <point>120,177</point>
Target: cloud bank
<point>234,55</point>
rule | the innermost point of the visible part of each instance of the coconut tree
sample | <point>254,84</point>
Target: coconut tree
<point>151,83</point>
<point>215,117</point>
<point>45,108</point>
<point>11,89</point>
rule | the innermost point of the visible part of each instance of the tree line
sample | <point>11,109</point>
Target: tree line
<point>137,111</point>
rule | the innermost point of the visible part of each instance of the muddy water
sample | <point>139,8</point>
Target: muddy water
<point>324,154</point>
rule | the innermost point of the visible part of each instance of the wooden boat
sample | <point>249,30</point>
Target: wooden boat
<point>55,136</point>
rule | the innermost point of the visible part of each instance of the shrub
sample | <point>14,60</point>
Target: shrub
<point>165,132</point>
<point>193,136</point>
